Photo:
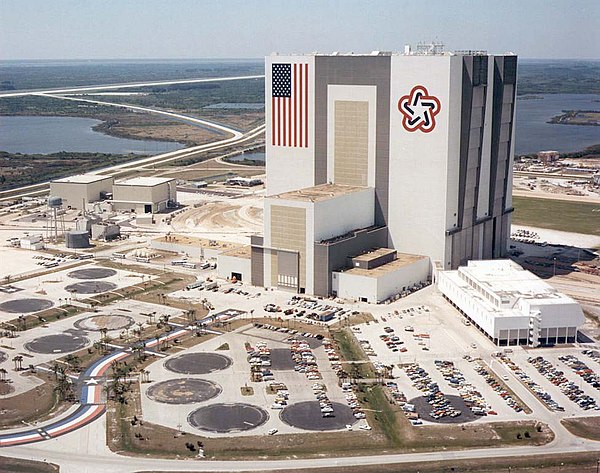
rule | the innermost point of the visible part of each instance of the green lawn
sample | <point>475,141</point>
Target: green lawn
<point>568,216</point>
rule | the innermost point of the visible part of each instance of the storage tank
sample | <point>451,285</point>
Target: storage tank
<point>78,239</point>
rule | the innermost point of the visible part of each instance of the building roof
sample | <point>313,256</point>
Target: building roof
<point>318,193</point>
<point>199,242</point>
<point>144,181</point>
<point>244,252</point>
<point>404,259</point>
<point>500,286</point>
<point>82,179</point>
<point>372,255</point>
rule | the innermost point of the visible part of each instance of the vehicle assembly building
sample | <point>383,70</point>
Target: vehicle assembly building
<point>403,152</point>
<point>510,305</point>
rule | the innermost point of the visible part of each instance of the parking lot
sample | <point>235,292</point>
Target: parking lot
<point>442,366</point>
<point>287,382</point>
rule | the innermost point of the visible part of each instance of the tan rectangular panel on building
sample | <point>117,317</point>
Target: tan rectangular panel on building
<point>351,152</point>
<point>288,231</point>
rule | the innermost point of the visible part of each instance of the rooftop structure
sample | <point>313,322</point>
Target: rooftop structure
<point>82,179</point>
<point>144,181</point>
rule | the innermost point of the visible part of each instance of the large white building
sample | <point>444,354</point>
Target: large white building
<point>417,150</point>
<point>510,305</point>
<point>144,195</point>
<point>79,190</point>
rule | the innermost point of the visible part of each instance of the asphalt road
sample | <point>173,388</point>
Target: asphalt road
<point>129,85</point>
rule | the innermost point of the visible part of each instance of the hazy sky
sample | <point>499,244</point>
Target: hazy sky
<point>106,29</point>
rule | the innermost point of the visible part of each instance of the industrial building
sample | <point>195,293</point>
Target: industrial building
<point>403,154</point>
<point>510,305</point>
<point>380,275</point>
<point>144,195</point>
<point>77,191</point>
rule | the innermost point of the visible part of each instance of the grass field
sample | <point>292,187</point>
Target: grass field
<point>578,217</point>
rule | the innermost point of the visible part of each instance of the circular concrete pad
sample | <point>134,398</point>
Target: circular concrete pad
<point>198,363</point>
<point>183,391</point>
<point>25,306</point>
<point>225,418</point>
<point>96,323</point>
<point>92,273</point>
<point>307,416</point>
<point>60,343</point>
<point>423,408</point>
<point>91,287</point>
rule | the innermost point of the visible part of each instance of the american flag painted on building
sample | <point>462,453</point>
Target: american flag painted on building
<point>289,112</point>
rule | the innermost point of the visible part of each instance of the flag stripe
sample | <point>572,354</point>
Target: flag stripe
<point>306,104</point>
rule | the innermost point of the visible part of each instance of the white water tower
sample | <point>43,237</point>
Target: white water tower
<point>56,221</point>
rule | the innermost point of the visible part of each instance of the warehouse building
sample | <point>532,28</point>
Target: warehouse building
<point>379,275</point>
<point>144,195</point>
<point>510,305</point>
<point>77,191</point>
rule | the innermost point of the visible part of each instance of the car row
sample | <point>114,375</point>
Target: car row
<point>580,368</point>
<point>304,359</point>
<point>535,388</point>
<point>352,401</point>
<point>421,380</point>
<point>593,354</point>
<point>473,399</point>
<point>557,377</point>
<point>259,358</point>
<point>498,387</point>
<point>393,342</point>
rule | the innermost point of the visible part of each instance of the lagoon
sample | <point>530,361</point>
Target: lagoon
<point>45,135</point>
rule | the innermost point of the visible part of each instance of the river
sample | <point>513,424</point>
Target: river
<point>45,135</point>
<point>534,134</point>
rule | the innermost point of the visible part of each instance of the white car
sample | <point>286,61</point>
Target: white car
<point>365,427</point>
<point>272,431</point>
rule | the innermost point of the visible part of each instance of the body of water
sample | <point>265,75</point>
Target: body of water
<point>45,135</point>
<point>252,155</point>
<point>534,134</point>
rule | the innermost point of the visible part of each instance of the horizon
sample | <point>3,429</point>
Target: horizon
<point>187,29</point>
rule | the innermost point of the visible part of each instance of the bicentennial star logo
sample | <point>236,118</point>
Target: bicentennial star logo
<point>419,110</point>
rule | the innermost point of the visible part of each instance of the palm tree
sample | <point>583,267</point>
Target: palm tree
<point>3,374</point>
<point>18,362</point>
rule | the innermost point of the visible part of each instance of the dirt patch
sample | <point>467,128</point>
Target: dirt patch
<point>36,404</point>
<point>586,427</point>
<point>18,465</point>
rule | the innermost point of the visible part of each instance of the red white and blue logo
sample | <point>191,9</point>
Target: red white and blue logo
<point>419,109</point>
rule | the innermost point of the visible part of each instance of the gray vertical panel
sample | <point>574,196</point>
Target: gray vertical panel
<point>356,70</point>
<point>257,267</point>
<point>322,272</point>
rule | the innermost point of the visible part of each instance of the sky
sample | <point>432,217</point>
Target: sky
<point>182,29</point>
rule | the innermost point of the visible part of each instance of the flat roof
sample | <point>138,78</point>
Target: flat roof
<point>244,252</point>
<point>199,242</point>
<point>508,280</point>
<point>404,259</point>
<point>82,179</point>
<point>318,193</point>
<point>144,181</point>
<point>372,255</point>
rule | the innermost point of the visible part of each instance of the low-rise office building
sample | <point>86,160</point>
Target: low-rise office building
<point>511,305</point>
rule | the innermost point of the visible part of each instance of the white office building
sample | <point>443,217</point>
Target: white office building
<point>510,305</point>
